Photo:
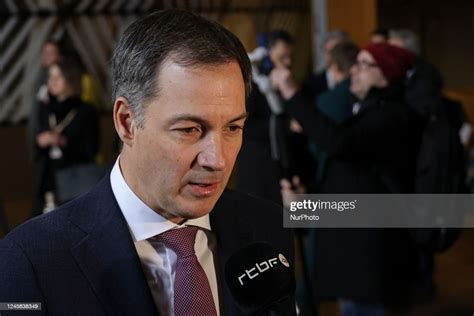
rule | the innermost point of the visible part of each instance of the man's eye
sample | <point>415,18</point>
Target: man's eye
<point>235,128</point>
<point>189,130</point>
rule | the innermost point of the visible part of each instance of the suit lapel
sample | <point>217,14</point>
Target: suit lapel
<point>107,255</point>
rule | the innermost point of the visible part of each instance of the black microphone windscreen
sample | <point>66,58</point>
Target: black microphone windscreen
<point>258,277</point>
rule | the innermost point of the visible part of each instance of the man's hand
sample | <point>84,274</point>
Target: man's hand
<point>282,80</point>
<point>288,193</point>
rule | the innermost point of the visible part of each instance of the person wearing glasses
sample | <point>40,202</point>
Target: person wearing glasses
<point>371,271</point>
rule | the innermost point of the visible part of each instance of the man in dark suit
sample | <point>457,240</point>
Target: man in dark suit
<point>317,83</point>
<point>153,236</point>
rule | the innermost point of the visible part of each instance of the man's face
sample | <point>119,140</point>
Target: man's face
<point>365,74</point>
<point>180,161</point>
<point>281,54</point>
<point>328,46</point>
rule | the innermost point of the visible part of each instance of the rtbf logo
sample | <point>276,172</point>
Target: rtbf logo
<point>262,267</point>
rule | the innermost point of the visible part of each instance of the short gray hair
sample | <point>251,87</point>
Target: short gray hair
<point>409,39</point>
<point>180,36</point>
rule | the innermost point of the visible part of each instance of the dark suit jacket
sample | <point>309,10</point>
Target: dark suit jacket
<point>80,259</point>
<point>314,85</point>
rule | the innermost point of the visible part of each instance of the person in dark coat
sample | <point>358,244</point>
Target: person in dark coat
<point>337,103</point>
<point>370,270</point>
<point>68,129</point>
<point>424,93</point>
<point>264,157</point>
<point>423,84</point>
<point>317,83</point>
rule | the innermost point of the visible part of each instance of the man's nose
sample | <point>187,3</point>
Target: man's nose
<point>212,154</point>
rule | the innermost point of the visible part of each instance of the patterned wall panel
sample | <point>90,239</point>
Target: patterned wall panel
<point>92,27</point>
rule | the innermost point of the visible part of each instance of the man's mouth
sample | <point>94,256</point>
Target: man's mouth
<point>203,189</point>
<point>201,184</point>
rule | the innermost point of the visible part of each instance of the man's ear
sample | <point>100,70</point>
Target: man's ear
<point>123,120</point>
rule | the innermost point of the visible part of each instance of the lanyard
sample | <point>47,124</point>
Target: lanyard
<point>64,123</point>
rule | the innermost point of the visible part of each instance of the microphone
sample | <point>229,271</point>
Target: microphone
<point>259,278</point>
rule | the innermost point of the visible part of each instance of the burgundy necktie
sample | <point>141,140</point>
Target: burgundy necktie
<point>192,292</point>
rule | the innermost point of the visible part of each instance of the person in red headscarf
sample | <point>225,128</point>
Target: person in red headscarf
<point>371,270</point>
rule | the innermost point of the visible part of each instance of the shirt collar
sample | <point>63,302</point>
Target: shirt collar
<point>330,80</point>
<point>142,221</point>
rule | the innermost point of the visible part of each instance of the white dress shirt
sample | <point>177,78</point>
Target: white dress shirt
<point>159,261</point>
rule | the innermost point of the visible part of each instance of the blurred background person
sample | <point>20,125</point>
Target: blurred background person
<point>404,38</point>
<point>441,162</point>
<point>68,132</point>
<point>264,157</point>
<point>423,83</point>
<point>336,104</point>
<point>379,35</point>
<point>317,83</point>
<point>51,53</point>
<point>424,86</point>
<point>373,151</point>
